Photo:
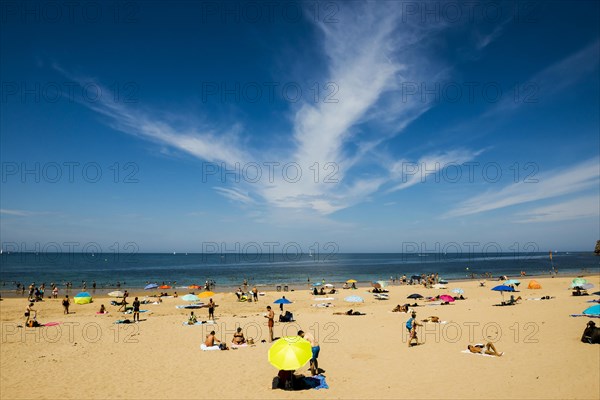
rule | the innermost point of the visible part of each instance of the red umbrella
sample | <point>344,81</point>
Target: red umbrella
<point>446,298</point>
<point>164,287</point>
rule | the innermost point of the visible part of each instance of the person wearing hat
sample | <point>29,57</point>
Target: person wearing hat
<point>411,325</point>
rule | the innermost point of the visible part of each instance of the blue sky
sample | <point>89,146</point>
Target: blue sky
<point>371,125</point>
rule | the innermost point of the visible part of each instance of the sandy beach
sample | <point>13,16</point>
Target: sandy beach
<point>87,356</point>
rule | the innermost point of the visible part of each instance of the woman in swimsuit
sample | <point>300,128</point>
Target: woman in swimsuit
<point>238,337</point>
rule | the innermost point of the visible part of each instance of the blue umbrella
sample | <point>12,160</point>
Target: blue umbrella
<point>317,284</point>
<point>512,282</point>
<point>151,286</point>
<point>282,301</point>
<point>354,299</point>
<point>593,311</point>
<point>458,291</point>
<point>503,288</point>
<point>190,297</point>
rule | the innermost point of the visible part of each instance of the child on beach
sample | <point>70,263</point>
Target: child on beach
<point>411,325</point>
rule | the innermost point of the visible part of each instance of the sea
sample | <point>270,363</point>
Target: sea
<point>134,271</point>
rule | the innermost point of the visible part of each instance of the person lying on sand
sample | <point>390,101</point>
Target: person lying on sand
<point>489,348</point>
<point>433,318</point>
<point>349,312</point>
<point>400,308</point>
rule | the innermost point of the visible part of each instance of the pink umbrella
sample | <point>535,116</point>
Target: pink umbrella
<point>446,298</point>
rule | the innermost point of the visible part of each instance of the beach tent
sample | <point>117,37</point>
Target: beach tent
<point>82,298</point>
<point>534,285</point>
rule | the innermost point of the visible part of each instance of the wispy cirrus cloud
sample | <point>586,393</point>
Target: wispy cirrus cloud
<point>577,178</point>
<point>17,213</point>
<point>581,207</point>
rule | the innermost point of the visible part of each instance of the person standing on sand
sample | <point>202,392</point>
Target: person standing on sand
<point>271,322</point>
<point>314,364</point>
<point>255,293</point>
<point>211,309</point>
<point>411,325</point>
<point>28,312</point>
<point>124,302</point>
<point>136,310</point>
<point>66,303</point>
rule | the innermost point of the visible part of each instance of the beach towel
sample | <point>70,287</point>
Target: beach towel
<point>323,298</point>
<point>585,315</point>
<point>190,306</point>
<point>199,323</point>
<point>479,354</point>
<point>236,346</point>
<point>211,348</point>
<point>101,313</point>
<point>123,321</point>
<point>51,324</point>
<point>141,311</point>
<point>313,382</point>
<point>323,305</point>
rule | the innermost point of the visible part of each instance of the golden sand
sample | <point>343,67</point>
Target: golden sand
<point>87,356</point>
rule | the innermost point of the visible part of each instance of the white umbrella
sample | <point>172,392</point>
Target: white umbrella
<point>329,285</point>
<point>116,293</point>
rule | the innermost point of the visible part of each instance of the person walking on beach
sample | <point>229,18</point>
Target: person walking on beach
<point>411,325</point>
<point>124,302</point>
<point>136,310</point>
<point>255,293</point>
<point>211,309</point>
<point>314,364</point>
<point>271,322</point>
<point>66,303</point>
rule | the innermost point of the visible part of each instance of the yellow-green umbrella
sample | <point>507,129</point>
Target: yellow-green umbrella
<point>290,353</point>
<point>351,281</point>
<point>206,294</point>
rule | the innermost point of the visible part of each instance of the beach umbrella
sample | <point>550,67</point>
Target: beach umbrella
<point>458,291</point>
<point>206,294</point>
<point>116,293</point>
<point>447,298</point>
<point>383,283</point>
<point>376,285</point>
<point>82,298</point>
<point>351,281</point>
<point>317,284</point>
<point>164,287</point>
<point>290,353</point>
<point>328,285</point>
<point>439,286</point>
<point>194,287</point>
<point>503,288</point>
<point>579,281</point>
<point>190,297</point>
<point>415,296</point>
<point>151,286</point>
<point>512,282</point>
<point>593,310</point>
<point>443,281</point>
<point>587,286</point>
<point>282,301</point>
<point>354,299</point>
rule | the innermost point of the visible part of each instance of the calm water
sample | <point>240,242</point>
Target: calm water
<point>135,270</point>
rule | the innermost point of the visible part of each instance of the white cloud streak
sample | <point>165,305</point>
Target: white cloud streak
<point>583,176</point>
